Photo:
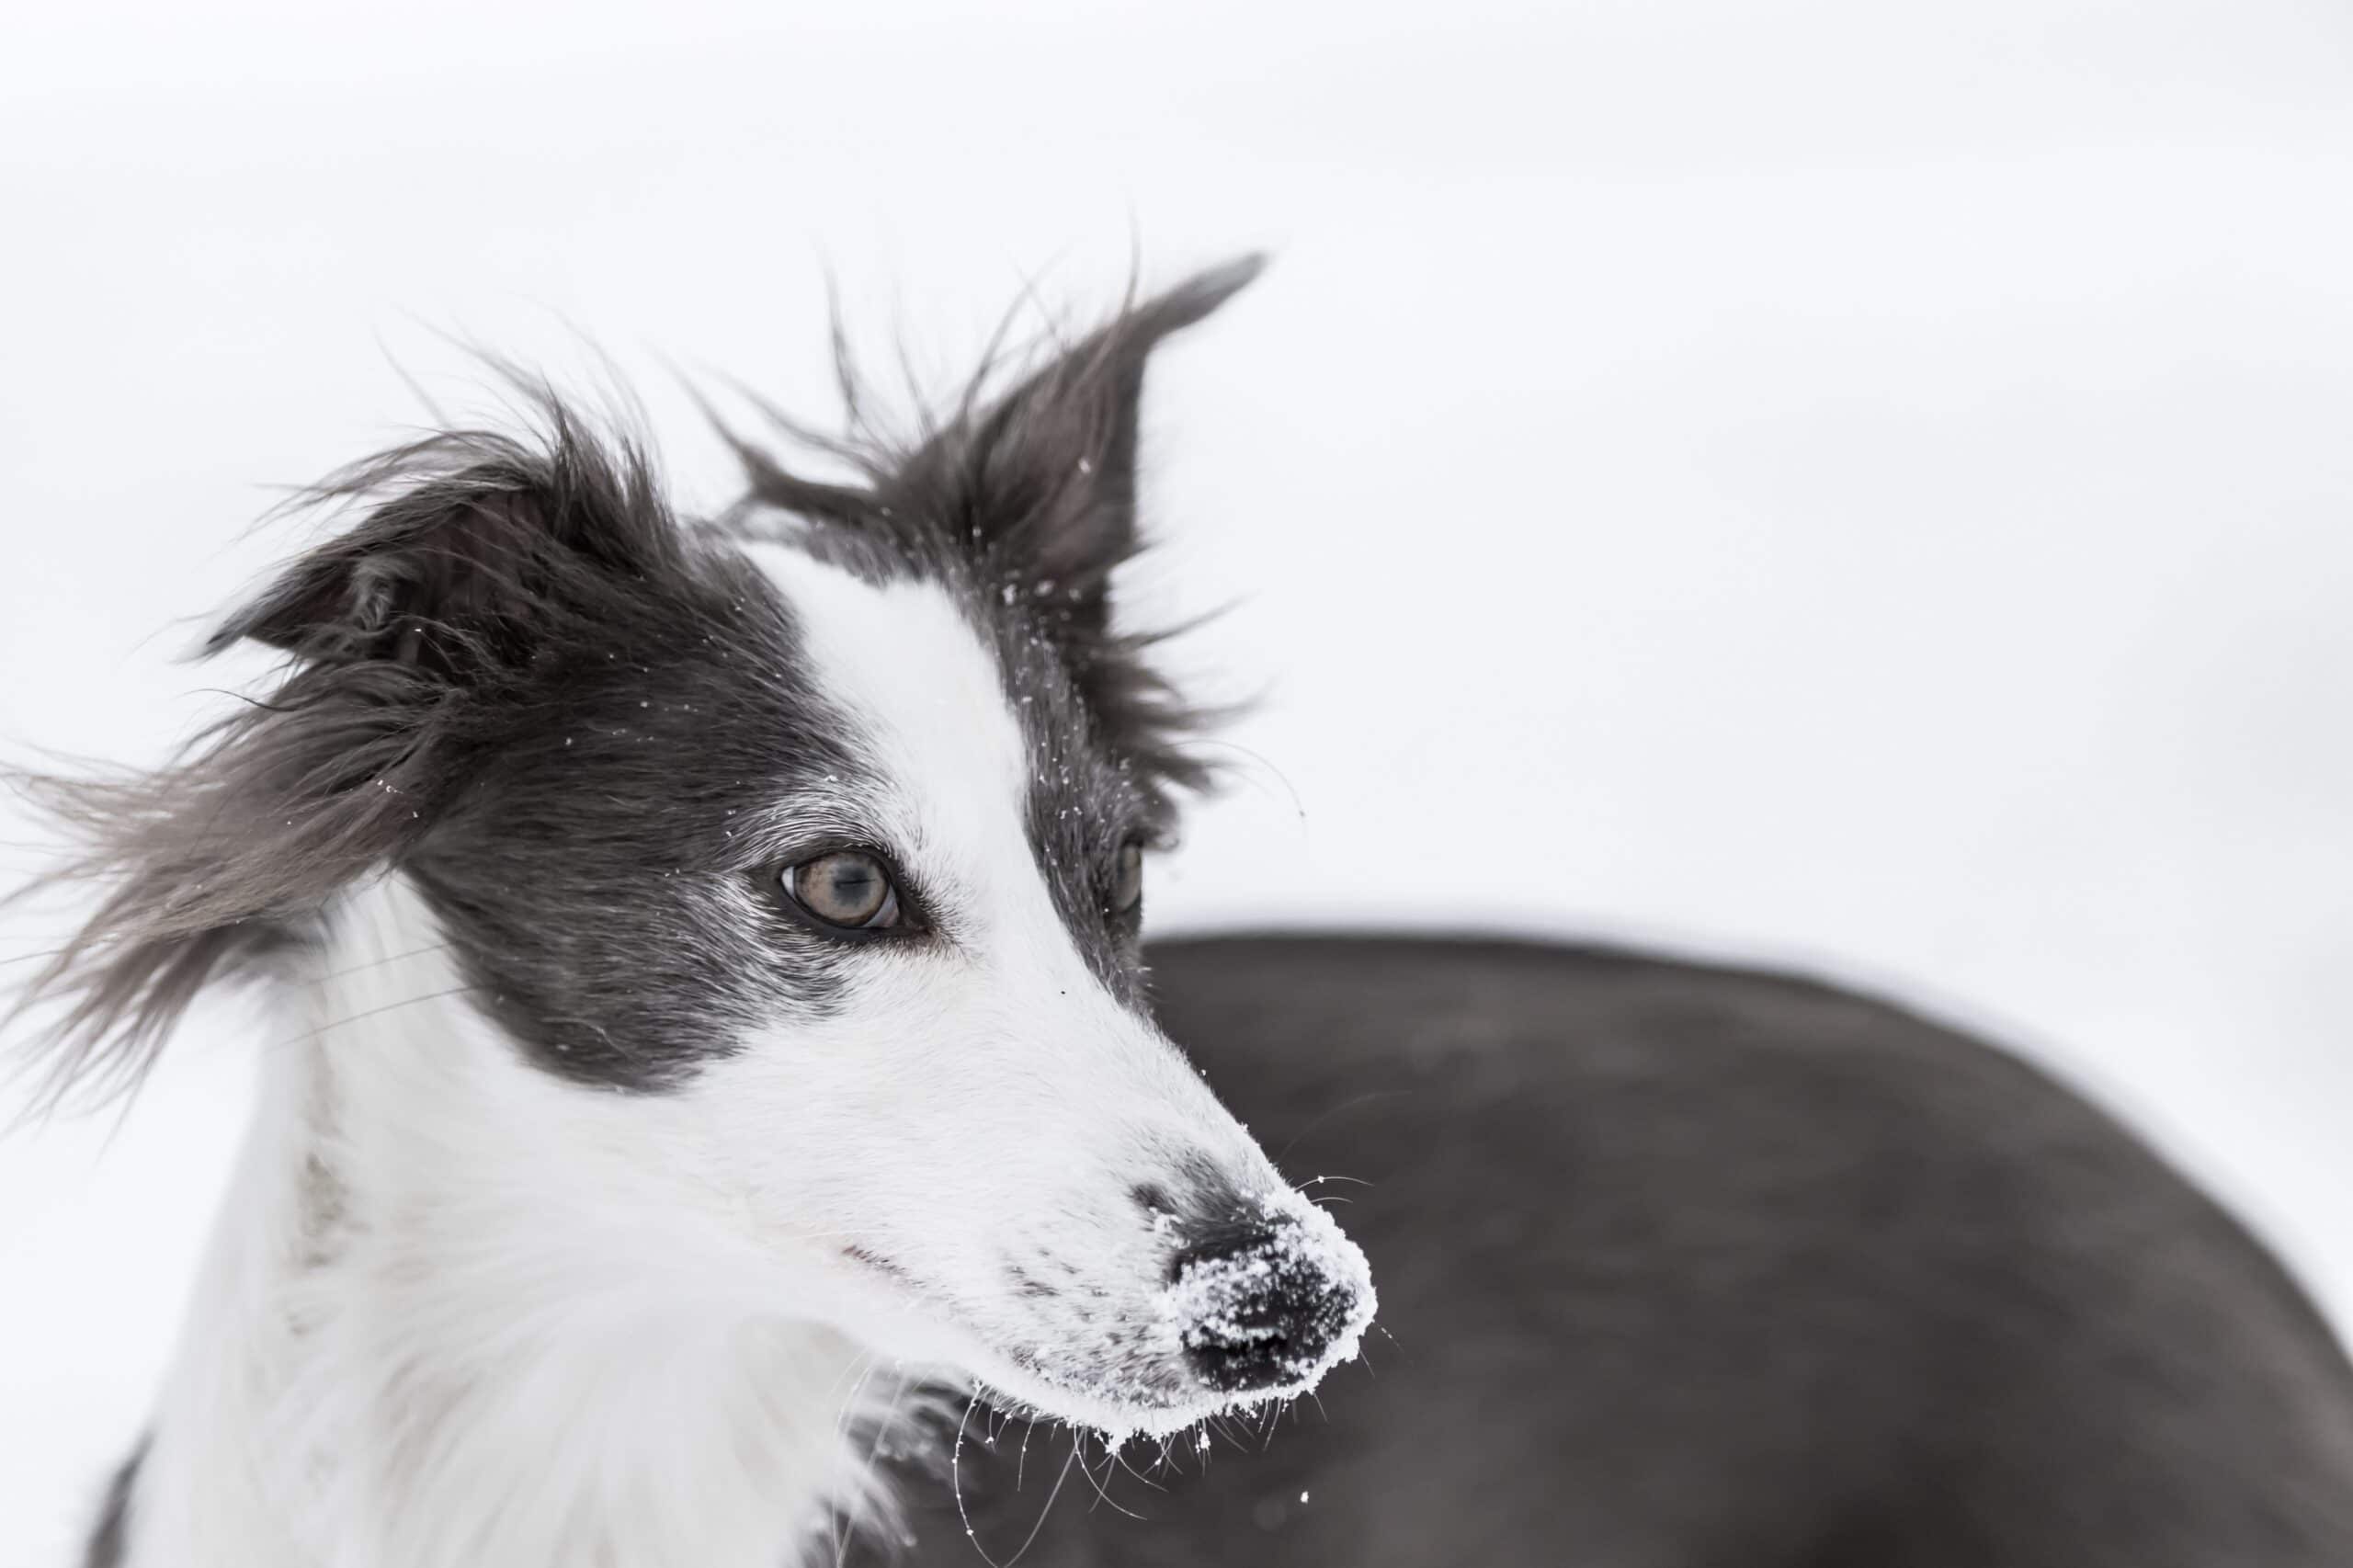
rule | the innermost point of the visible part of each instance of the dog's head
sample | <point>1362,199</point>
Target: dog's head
<point>824,825</point>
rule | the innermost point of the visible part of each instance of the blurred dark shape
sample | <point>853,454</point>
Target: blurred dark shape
<point>1684,1266</point>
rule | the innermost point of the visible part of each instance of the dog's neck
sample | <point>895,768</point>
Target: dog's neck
<point>453,1314</point>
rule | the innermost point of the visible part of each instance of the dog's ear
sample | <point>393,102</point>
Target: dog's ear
<point>476,544</point>
<point>1041,483</point>
<point>480,558</point>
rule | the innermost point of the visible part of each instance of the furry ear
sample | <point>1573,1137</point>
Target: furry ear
<point>1042,485</point>
<point>480,557</point>
<point>470,548</point>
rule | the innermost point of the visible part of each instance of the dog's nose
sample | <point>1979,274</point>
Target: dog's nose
<point>1256,1308</point>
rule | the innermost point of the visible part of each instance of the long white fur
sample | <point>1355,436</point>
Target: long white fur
<point>460,1311</point>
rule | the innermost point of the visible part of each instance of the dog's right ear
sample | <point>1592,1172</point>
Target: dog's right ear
<point>476,546</point>
<point>479,556</point>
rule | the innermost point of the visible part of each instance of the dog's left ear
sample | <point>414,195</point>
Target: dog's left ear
<point>1041,484</point>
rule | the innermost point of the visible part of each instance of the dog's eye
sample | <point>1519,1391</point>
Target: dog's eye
<point>847,889</point>
<point>1127,878</point>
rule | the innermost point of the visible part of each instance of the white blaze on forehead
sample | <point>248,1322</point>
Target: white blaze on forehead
<point>902,662</point>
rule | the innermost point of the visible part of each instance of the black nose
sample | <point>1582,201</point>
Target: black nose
<point>1254,1308</point>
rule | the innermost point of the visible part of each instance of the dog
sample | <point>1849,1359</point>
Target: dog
<point>717,1090</point>
<point>711,959</point>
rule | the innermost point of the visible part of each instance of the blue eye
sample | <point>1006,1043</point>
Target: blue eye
<point>847,889</point>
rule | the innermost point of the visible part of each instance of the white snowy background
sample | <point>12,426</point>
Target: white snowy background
<point>1868,486</point>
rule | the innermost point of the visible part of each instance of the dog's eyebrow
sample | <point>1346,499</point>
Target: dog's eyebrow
<point>784,826</point>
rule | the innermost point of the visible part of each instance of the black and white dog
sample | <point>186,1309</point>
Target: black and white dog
<point>717,1050</point>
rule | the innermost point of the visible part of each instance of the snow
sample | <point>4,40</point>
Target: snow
<point>1206,1305</point>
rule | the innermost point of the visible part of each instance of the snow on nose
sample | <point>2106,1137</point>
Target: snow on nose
<point>1270,1306</point>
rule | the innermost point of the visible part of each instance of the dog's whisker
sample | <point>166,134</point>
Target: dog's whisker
<point>1053,1492</point>
<point>1120,1455</point>
<point>418,953</point>
<point>955,1480</point>
<point>874,1455</point>
<point>1351,1103</point>
<point>1267,1432</point>
<point>1101,1495</point>
<point>362,1017</point>
<point>842,1523</point>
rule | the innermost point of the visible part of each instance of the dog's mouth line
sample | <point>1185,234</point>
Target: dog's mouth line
<point>1158,1402</point>
<point>1114,1410</point>
<point>1119,1416</point>
<point>1153,1389</point>
<point>1128,1373</point>
<point>1030,1360</point>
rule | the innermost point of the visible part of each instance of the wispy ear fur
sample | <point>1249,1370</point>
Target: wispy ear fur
<point>1032,491</point>
<point>483,561</point>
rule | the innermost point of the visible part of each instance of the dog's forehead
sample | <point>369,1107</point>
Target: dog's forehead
<point>902,665</point>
